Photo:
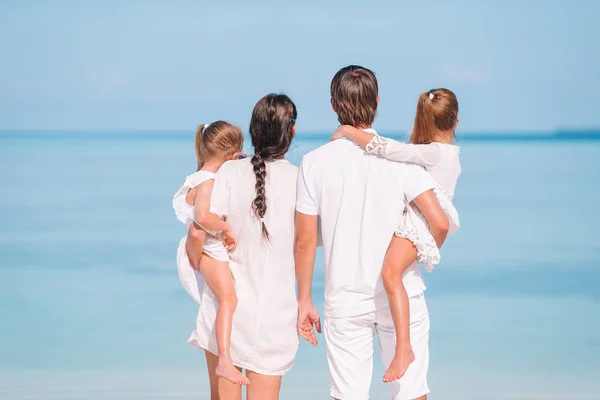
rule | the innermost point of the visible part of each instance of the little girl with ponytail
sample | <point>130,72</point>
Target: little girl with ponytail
<point>201,256</point>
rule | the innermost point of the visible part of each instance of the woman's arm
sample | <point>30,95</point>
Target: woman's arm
<point>393,150</point>
<point>202,214</point>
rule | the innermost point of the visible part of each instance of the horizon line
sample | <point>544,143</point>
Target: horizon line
<point>185,135</point>
<point>394,132</point>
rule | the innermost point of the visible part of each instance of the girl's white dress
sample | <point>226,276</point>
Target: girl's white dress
<point>264,337</point>
<point>442,162</point>
<point>192,280</point>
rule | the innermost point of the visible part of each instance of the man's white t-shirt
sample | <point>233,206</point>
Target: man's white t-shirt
<point>360,200</point>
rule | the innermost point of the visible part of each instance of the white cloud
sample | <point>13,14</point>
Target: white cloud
<point>106,80</point>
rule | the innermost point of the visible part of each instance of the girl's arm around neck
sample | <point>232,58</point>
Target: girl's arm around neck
<point>426,155</point>
<point>393,150</point>
<point>358,136</point>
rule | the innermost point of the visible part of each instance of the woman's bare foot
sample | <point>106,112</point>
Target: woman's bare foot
<point>226,370</point>
<point>402,359</point>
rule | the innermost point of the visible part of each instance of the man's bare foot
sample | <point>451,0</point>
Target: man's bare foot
<point>402,359</point>
<point>232,374</point>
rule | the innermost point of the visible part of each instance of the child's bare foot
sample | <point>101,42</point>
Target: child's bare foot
<point>226,370</point>
<point>402,359</point>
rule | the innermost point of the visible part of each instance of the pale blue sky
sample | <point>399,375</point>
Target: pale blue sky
<point>516,65</point>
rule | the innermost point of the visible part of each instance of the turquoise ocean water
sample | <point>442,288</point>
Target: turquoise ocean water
<point>92,308</point>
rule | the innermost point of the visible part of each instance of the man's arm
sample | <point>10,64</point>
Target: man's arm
<point>436,217</point>
<point>305,247</point>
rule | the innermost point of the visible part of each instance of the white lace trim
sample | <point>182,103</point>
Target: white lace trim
<point>428,253</point>
<point>377,146</point>
<point>445,200</point>
<point>439,191</point>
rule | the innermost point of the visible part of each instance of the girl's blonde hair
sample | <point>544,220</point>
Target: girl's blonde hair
<point>217,139</point>
<point>437,110</point>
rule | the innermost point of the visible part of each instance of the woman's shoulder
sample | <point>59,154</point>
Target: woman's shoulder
<point>284,169</point>
<point>245,165</point>
<point>286,165</point>
<point>234,166</point>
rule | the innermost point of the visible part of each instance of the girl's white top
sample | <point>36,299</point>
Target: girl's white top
<point>213,246</point>
<point>184,211</point>
<point>443,164</point>
<point>441,160</point>
<point>264,337</point>
<point>191,280</point>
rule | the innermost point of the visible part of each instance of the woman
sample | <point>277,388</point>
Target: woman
<point>257,196</point>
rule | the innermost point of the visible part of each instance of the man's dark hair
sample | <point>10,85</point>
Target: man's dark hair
<point>354,94</point>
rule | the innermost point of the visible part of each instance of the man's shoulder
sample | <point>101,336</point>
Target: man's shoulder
<point>328,151</point>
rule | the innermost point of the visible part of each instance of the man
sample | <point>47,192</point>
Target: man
<point>360,200</point>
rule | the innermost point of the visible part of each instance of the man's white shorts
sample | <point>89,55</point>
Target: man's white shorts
<point>350,352</point>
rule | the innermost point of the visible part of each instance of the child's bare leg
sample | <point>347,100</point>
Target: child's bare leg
<point>218,277</point>
<point>400,255</point>
<point>194,245</point>
<point>220,389</point>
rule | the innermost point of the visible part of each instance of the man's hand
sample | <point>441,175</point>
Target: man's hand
<point>238,156</point>
<point>308,321</point>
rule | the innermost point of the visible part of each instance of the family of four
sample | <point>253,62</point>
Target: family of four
<point>378,207</point>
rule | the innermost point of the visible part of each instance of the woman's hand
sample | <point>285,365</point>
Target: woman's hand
<point>340,132</point>
<point>229,241</point>
<point>238,155</point>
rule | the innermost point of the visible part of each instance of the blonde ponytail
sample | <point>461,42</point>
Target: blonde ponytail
<point>199,151</point>
<point>424,128</point>
<point>437,111</point>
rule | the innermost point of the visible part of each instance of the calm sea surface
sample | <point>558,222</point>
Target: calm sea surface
<point>91,306</point>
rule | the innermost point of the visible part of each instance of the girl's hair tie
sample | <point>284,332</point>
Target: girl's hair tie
<point>431,96</point>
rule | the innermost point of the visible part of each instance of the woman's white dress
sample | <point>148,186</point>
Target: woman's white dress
<point>264,337</point>
<point>443,163</point>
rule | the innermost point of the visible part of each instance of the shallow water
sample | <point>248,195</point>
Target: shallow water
<point>92,307</point>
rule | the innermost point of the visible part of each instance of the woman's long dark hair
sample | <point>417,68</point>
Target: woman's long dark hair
<point>272,131</point>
